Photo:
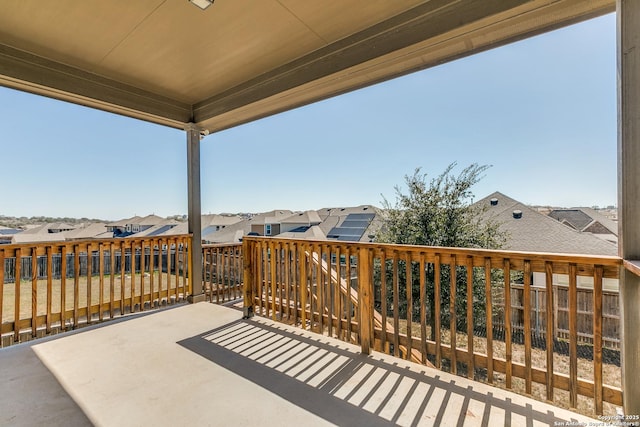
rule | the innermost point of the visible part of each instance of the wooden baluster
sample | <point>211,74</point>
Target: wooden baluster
<point>527,326</point>
<point>364,300</point>
<point>489,318</point>
<point>452,315</point>
<point>275,282</point>
<point>112,278</point>
<point>89,274</point>
<point>76,284</point>
<point>409,290</point>
<point>34,292</point>
<point>216,280</point>
<point>383,299</point>
<point>396,306</point>
<point>177,266</point>
<point>1,289</point>
<point>320,288</point>
<point>151,274</point>
<point>187,268</point>
<point>18,280</point>
<point>423,307</point>
<point>142,279</point>
<point>470,320</point>
<point>550,333</point>
<point>328,292</point>
<point>123,260</point>
<point>63,288</point>
<point>573,337</point>
<point>287,278</point>
<point>262,265</point>
<point>507,323</point>
<point>302,257</point>
<point>597,338</point>
<point>49,251</point>
<point>438,301</point>
<point>295,278</point>
<point>349,302</point>
<point>101,273</point>
<point>133,275</point>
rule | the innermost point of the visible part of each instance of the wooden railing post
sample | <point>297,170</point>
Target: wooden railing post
<point>628,29</point>
<point>248,279</point>
<point>365,291</point>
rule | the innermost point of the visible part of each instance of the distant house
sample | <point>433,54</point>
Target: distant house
<point>6,234</point>
<point>51,232</point>
<point>305,233</point>
<point>268,223</point>
<point>59,227</point>
<point>299,222</point>
<point>530,231</point>
<point>96,230</point>
<point>312,225</point>
<point>136,224</point>
<point>587,220</point>
<point>162,227</point>
<point>214,222</point>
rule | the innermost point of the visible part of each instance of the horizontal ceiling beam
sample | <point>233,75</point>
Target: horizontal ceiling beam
<point>342,62</point>
<point>31,73</point>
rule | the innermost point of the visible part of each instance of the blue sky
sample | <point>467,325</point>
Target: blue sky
<point>542,112</point>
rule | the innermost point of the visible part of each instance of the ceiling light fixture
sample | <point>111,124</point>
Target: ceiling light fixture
<point>202,4</point>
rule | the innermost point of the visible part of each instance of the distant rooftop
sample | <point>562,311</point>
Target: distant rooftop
<point>532,231</point>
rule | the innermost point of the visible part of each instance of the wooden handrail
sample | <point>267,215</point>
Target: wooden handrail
<point>416,355</point>
<point>292,282</point>
<point>68,289</point>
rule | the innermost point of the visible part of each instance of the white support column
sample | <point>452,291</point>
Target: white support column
<point>629,196</point>
<point>194,211</point>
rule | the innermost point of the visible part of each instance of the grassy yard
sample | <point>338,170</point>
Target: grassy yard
<point>136,282</point>
<point>612,374</point>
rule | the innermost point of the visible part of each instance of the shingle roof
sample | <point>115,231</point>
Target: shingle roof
<point>581,218</point>
<point>307,217</point>
<point>344,211</point>
<point>161,228</point>
<point>535,232</point>
<point>123,222</point>
<point>313,233</point>
<point>229,233</point>
<point>150,220</point>
<point>271,217</point>
<point>216,219</point>
<point>95,230</point>
<point>37,237</point>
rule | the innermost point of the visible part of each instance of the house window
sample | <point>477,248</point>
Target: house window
<point>267,229</point>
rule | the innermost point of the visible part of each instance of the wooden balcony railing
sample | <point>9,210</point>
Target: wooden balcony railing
<point>222,271</point>
<point>448,307</point>
<point>50,287</point>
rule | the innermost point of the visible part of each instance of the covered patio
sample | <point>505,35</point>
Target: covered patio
<point>170,63</point>
<point>201,364</point>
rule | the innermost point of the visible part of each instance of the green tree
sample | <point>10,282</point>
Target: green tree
<point>440,212</point>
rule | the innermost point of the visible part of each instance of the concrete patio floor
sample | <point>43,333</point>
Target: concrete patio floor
<point>201,365</point>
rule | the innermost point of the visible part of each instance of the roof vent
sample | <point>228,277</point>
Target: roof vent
<point>517,214</point>
<point>493,201</point>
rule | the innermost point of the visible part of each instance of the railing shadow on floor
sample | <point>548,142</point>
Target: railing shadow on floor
<point>348,388</point>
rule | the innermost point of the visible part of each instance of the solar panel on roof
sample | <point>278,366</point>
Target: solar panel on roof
<point>301,229</point>
<point>360,216</point>
<point>352,228</point>
<point>355,223</point>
